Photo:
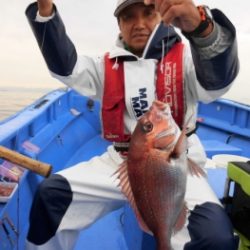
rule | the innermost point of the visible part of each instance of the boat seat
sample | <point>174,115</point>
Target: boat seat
<point>214,147</point>
<point>217,171</point>
<point>238,205</point>
<point>95,146</point>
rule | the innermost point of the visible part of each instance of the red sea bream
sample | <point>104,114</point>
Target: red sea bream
<point>154,175</point>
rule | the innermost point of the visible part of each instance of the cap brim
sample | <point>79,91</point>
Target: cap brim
<point>125,5</point>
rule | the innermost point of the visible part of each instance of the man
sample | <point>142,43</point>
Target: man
<point>148,62</point>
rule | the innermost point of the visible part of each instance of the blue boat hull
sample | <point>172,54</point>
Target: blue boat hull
<point>65,128</point>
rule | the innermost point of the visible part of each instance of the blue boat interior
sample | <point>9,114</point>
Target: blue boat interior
<point>63,128</point>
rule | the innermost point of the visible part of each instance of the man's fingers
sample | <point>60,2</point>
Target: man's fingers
<point>148,2</point>
<point>157,3</point>
<point>45,7</point>
<point>167,19</point>
<point>163,7</point>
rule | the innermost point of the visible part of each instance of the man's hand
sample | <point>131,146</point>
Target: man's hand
<point>183,14</point>
<point>45,7</point>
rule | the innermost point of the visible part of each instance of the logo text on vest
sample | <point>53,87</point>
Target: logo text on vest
<point>140,103</point>
<point>170,84</point>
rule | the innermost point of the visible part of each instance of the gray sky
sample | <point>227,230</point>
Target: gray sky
<point>92,27</point>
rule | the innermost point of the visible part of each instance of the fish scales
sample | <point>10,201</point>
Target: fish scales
<point>157,180</point>
<point>161,204</point>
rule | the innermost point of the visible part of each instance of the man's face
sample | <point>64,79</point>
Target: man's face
<point>136,24</point>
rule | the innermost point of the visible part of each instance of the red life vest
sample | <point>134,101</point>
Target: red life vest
<point>169,89</point>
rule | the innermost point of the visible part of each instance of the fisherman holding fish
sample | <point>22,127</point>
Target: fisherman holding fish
<point>148,73</point>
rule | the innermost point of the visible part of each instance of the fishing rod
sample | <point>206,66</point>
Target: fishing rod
<point>35,166</point>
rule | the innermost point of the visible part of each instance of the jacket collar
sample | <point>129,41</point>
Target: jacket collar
<point>161,40</point>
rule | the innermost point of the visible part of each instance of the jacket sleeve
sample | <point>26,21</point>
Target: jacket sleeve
<point>81,73</point>
<point>218,71</point>
<point>56,47</point>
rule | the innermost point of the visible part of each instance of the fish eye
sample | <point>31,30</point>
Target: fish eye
<point>147,127</point>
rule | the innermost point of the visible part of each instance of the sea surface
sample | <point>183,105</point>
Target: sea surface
<point>13,100</point>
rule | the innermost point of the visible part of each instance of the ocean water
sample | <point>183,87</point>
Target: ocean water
<point>22,64</point>
<point>13,100</point>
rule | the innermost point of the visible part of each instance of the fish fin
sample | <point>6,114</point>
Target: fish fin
<point>180,145</point>
<point>122,168</point>
<point>181,220</point>
<point>195,169</point>
<point>140,220</point>
<point>125,186</point>
<point>122,176</point>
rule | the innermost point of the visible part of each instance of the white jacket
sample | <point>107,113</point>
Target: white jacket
<point>203,61</point>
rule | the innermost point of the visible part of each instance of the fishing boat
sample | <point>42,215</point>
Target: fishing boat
<point>63,128</point>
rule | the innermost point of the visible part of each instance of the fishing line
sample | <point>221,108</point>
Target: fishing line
<point>163,53</point>
<point>168,38</point>
<point>43,36</point>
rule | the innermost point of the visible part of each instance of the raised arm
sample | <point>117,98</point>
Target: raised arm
<point>57,49</point>
<point>82,73</point>
<point>182,14</point>
<point>214,48</point>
